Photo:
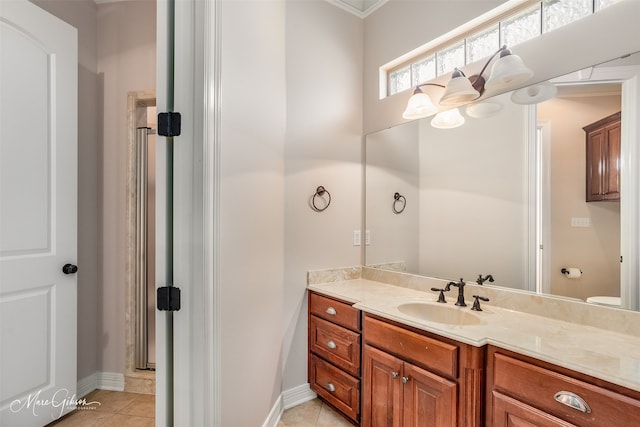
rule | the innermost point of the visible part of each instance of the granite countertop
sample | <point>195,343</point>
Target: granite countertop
<point>601,353</point>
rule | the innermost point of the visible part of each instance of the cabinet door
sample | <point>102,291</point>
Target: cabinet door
<point>508,412</point>
<point>596,146</point>
<point>382,391</point>
<point>429,400</point>
<point>611,178</point>
<point>603,159</point>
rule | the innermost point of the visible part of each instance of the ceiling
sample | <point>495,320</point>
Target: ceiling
<point>359,8</point>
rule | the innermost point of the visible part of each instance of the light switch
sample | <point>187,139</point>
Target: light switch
<point>357,237</point>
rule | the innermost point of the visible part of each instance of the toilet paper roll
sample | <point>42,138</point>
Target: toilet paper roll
<point>572,273</point>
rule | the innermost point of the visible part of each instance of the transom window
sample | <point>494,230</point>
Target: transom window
<point>526,21</point>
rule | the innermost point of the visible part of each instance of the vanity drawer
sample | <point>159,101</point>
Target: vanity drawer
<point>336,344</point>
<point>434,355</point>
<point>335,386</point>
<point>334,311</point>
<point>537,386</point>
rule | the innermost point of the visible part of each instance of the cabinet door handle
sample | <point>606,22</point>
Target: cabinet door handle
<point>330,387</point>
<point>331,311</point>
<point>572,400</point>
<point>405,380</point>
<point>394,375</point>
<point>331,344</point>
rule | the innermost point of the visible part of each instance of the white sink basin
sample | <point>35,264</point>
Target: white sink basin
<point>450,315</point>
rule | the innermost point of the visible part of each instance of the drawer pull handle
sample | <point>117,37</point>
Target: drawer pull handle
<point>394,375</point>
<point>330,387</point>
<point>405,380</point>
<point>572,400</point>
<point>331,344</point>
<point>331,311</point>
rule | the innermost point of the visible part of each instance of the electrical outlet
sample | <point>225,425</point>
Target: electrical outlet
<point>357,237</point>
<point>580,222</point>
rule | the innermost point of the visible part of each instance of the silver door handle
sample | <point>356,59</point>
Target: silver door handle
<point>405,380</point>
<point>331,345</point>
<point>330,387</point>
<point>331,311</point>
<point>394,375</point>
<point>572,400</point>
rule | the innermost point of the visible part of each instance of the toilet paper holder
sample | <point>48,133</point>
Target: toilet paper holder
<point>567,271</point>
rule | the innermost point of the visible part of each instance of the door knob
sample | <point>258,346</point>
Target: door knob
<point>69,269</point>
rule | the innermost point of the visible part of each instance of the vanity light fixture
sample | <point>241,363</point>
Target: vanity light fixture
<point>483,109</point>
<point>448,119</point>
<point>420,104</point>
<point>507,72</point>
<point>534,94</point>
<point>459,90</point>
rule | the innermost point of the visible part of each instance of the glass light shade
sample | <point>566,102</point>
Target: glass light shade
<point>458,91</point>
<point>419,106</point>
<point>484,109</point>
<point>507,72</point>
<point>534,94</point>
<point>448,119</point>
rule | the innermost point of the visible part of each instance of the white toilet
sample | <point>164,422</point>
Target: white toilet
<point>606,301</point>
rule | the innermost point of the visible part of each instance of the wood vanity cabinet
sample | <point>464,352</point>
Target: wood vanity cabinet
<point>603,159</point>
<point>335,353</point>
<point>413,378</point>
<point>523,391</point>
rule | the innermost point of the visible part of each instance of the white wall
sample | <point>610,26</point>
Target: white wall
<point>82,15</point>
<point>473,203</point>
<point>126,51</point>
<point>324,46</point>
<point>393,165</point>
<point>253,120</point>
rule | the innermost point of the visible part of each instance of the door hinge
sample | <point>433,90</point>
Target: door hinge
<point>168,298</point>
<point>169,124</point>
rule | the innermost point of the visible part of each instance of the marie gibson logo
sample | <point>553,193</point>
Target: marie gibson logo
<point>60,400</point>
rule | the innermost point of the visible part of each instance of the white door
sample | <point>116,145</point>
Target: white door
<point>38,162</point>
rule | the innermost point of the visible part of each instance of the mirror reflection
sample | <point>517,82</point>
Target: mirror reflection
<point>506,193</point>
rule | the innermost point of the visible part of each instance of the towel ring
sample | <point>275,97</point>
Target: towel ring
<point>320,192</point>
<point>399,199</point>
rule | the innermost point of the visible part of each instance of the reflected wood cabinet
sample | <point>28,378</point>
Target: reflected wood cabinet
<point>603,159</point>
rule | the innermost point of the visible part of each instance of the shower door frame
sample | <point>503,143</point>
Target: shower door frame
<point>136,380</point>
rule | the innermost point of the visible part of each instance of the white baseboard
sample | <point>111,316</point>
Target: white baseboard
<point>276,413</point>
<point>87,385</point>
<point>110,381</point>
<point>297,395</point>
<point>100,381</point>
<point>288,399</point>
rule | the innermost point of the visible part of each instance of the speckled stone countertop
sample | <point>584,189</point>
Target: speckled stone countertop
<point>565,335</point>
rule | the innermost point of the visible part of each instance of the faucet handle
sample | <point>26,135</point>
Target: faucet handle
<point>441,296</point>
<point>480,280</point>
<point>476,302</point>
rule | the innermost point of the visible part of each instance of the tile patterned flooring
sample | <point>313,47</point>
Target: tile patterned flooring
<point>120,409</point>
<point>313,413</point>
<point>116,409</point>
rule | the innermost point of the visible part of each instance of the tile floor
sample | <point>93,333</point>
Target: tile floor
<point>313,413</point>
<point>120,409</point>
<point>116,409</point>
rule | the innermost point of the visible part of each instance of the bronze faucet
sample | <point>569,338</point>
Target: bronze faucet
<point>460,285</point>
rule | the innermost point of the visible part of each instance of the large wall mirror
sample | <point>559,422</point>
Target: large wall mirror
<point>505,193</point>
